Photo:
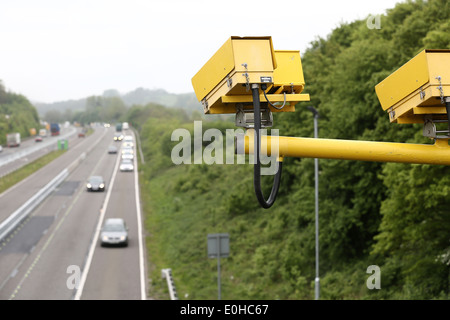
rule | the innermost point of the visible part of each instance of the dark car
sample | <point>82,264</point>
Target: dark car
<point>118,137</point>
<point>38,139</point>
<point>114,232</point>
<point>95,183</point>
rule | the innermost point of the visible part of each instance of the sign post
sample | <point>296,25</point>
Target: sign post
<point>218,246</point>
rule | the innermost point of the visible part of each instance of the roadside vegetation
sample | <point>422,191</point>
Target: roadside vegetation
<point>17,114</point>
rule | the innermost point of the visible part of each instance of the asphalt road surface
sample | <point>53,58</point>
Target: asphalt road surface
<point>14,158</point>
<point>55,252</point>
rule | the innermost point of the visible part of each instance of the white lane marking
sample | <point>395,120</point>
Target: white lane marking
<point>97,232</point>
<point>138,212</point>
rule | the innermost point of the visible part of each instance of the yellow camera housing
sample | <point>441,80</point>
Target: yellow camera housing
<point>225,79</point>
<point>417,90</point>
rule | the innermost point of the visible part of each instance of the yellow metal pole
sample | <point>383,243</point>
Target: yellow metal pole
<point>437,153</point>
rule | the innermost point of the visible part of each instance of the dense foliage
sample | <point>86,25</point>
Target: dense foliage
<point>395,216</point>
<point>17,114</point>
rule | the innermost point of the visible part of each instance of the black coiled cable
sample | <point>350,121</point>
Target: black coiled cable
<point>257,167</point>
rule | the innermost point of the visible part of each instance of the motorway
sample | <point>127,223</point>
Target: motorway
<point>55,253</point>
<point>12,159</point>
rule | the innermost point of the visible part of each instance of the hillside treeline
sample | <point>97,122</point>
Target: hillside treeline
<point>17,114</point>
<point>394,216</point>
<point>111,105</point>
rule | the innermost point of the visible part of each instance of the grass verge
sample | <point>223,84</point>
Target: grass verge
<point>16,176</point>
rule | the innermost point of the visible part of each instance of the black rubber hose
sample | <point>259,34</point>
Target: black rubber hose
<point>257,167</point>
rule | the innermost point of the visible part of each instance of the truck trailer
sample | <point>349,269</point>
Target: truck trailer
<point>13,139</point>
<point>43,132</point>
<point>54,129</point>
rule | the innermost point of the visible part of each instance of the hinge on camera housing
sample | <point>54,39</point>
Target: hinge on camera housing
<point>205,105</point>
<point>229,82</point>
<point>245,118</point>
<point>429,128</point>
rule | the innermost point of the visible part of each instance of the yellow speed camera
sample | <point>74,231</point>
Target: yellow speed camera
<point>418,89</point>
<point>225,80</point>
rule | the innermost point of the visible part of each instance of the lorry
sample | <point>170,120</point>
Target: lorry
<point>118,127</point>
<point>13,139</point>
<point>43,132</point>
<point>125,126</point>
<point>54,129</point>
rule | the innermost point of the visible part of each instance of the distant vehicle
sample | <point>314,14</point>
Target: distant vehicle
<point>118,127</point>
<point>114,232</point>
<point>128,138</point>
<point>13,140</point>
<point>126,165</point>
<point>43,132</point>
<point>1,148</point>
<point>127,149</point>
<point>82,133</point>
<point>112,149</point>
<point>125,126</point>
<point>38,139</point>
<point>54,129</point>
<point>118,137</point>
<point>95,183</point>
<point>127,144</point>
<point>127,154</point>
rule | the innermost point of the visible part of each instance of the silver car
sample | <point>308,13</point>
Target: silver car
<point>126,165</point>
<point>114,232</point>
<point>127,154</point>
<point>112,149</point>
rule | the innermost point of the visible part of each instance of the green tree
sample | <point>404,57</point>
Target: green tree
<point>17,114</point>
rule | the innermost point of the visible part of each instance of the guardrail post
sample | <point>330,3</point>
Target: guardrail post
<point>167,274</point>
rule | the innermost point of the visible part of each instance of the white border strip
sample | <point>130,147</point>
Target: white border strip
<point>139,221</point>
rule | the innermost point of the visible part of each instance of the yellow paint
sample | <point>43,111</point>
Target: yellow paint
<point>253,56</point>
<point>225,79</point>
<point>289,73</point>
<point>439,153</point>
<point>413,91</point>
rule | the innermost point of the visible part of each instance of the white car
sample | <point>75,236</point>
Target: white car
<point>126,165</point>
<point>1,148</point>
<point>128,138</point>
<point>126,149</point>
<point>127,154</point>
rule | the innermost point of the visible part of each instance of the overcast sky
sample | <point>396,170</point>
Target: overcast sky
<point>53,50</point>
